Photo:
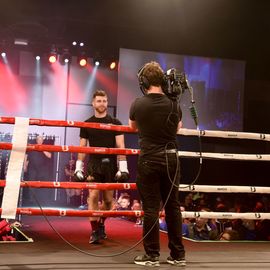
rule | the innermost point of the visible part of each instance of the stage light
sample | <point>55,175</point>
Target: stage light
<point>82,61</point>
<point>97,63</point>
<point>21,42</point>
<point>112,65</point>
<point>53,54</point>
<point>81,44</point>
<point>3,54</point>
<point>65,56</point>
<point>74,43</point>
<point>37,57</point>
<point>52,58</point>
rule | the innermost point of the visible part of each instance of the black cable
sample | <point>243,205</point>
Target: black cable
<point>92,254</point>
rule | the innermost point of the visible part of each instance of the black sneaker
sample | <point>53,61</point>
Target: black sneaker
<point>94,238</point>
<point>177,262</point>
<point>101,230</point>
<point>147,260</point>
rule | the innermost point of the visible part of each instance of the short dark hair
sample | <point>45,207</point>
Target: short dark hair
<point>99,93</point>
<point>154,74</point>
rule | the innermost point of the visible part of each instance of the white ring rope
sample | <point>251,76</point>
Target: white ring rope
<point>229,156</point>
<point>224,134</point>
<point>224,189</point>
<point>225,215</point>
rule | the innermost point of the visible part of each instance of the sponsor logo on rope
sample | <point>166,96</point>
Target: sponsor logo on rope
<point>26,212</point>
<point>134,151</point>
<point>126,186</point>
<point>262,136</point>
<point>197,214</point>
<point>228,155</point>
<point>56,184</point>
<point>257,215</point>
<point>259,156</point>
<point>105,126</point>
<point>100,150</point>
<point>70,123</point>
<point>226,215</point>
<point>97,214</point>
<point>222,188</point>
<point>232,134</point>
<point>138,213</point>
<point>202,132</point>
<point>253,189</point>
<point>62,213</point>
<point>191,187</point>
<point>65,148</point>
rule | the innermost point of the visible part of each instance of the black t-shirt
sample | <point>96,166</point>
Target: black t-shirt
<point>99,137</point>
<point>157,118</point>
<point>40,166</point>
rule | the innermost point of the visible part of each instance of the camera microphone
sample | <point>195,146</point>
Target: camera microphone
<point>194,113</point>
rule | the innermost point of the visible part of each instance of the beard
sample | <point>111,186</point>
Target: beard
<point>101,109</point>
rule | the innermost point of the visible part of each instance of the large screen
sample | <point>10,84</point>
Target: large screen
<point>218,87</point>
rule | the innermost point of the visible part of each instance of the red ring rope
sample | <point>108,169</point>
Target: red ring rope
<point>74,149</point>
<point>75,213</point>
<point>85,185</point>
<point>62,123</point>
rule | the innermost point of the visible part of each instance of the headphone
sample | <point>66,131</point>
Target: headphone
<point>143,81</point>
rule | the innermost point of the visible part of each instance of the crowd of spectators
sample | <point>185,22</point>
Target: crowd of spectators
<point>225,230</point>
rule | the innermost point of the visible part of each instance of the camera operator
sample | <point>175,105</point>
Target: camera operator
<point>157,118</point>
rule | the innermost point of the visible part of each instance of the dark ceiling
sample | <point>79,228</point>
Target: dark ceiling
<point>236,29</point>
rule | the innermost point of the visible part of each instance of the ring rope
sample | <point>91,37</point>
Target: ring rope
<point>74,185</point>
<point>224,134</point>
<point>132,186</point>
<point>62,123</point>
<point>130,213</point>
<point>75,149</point>
<point>228,156</point>
<point>182,131</point>
<point>125,151</point>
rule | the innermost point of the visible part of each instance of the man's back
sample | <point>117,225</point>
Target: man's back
<point>157,118</point>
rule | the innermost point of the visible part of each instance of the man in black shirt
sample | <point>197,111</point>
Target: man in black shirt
<point>101,168</point>
<point>39,167</point>
<point>157,119</point>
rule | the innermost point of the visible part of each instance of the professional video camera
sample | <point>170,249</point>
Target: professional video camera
<point>175,83</point>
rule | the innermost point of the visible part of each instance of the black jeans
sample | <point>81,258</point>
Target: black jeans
<point>154,186</point>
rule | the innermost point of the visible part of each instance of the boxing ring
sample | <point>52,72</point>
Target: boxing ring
<point>222,255</point>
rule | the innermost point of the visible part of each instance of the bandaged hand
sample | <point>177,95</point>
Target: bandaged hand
<point>79,171</point>
<point>123,174</point>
